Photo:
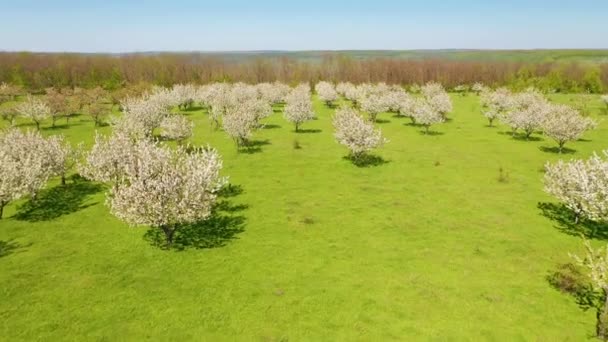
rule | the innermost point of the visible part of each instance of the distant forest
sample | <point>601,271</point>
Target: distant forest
<point>566,71</point>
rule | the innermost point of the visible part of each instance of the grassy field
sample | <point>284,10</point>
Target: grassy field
<point>428,245</point>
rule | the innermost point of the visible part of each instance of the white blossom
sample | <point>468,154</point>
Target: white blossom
<point>176,127</point>
<point>563,123</point>
<point>581,185</point>
<point>165,188</point>
<point>298,108</point>
<point>327,92</point>
<point>25,165</point>
<point>352,131</point>
<point>34,109</point>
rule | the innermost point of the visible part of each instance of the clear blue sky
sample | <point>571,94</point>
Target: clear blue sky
<point>221,25</point>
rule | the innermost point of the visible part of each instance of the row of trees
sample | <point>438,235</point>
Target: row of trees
<point>530,112</point>
<point>37,71</point>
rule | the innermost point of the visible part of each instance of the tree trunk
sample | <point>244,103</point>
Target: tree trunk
<point>63,179</point>
<point>561,146</point>
<point>602,318</point>
<point>491,122</point>
<point>37,125</point>
<point>169,232</point>
<point>2,204</point>
<point>297,127</point>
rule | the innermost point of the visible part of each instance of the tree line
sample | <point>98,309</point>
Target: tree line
<point>37,71</point>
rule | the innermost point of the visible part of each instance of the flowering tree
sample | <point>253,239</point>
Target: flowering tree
<point>299,106</point>
<point>478,88</point>
<point>528,113</point>
<point>34,109</point>
<point>326,92</point>
<point>109,157</point>
<point>596,264</point>
<point>166,189</point>
<point>24,165</point>
<point>373,104</point>
<point>426,115</point>
<point>563,123</point>
<point>436,97</point>
<point>58,105</point>
<point>239,124</point>
<point>581,185</point>
<point>176,127</point>
<point>352,131</point>
<point>62,157</point>
<point>605,100</point>
<point>496,104</point>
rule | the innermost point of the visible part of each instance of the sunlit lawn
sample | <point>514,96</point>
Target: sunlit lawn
<point>428,244</point>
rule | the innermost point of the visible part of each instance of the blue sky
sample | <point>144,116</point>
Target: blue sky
<point>229,25</point>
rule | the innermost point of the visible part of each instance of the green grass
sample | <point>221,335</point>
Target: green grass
<point>429,245</point>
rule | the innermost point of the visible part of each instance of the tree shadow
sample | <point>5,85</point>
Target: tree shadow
<point>58,201</point>
<point>382,121</point>
<point>217,230</point>
<point>253,146</point>
<point>570,279</point>
<point>565,219</point>
<point>9,247</point>
<point>520,136</point>
<point>366,160</point>
<point>431,133</point>
<point>55,128</point>
<point>270,126</point>
<point>555,149</point>
<point>309,130</point>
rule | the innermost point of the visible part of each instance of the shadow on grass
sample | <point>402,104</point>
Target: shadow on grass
<point>555,149</point>
<point>565,219</point>
<point>431,133</point>
<point>221,227</point>
<point>310,130</point>
<point>58,201</point>
<point>253,146</point>
<point>55,128</point>
<point>366,160</point>
<point>570,279</point>
<point>382,121</point>
<point>271,126</point>
<point>8,247</point>
<point>520,136</point>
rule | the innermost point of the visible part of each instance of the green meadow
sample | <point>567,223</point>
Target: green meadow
<point>449,236</point>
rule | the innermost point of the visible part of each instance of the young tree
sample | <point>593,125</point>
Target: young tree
<point>176,127</point>
<point>34,109</point>
<point>478,88</point>
<point>168,188</point>
<point>426,115</point>
<point>436,97</point>
<point>581,185</point>
<point>563,123</point>
<point>605,100</point>
<point>352,131</point>
<point>528,113</point>
<point>58,105</point>
<point>496,103</point>
<point>239,124</point>
<point>24,165</point>
<point>98,112</point>
<point>62,156</point>
<point>327,93</point>
<point>596,264</point>
<point>373,104</point>
<point>299,106</point>
<point>109,158</point>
